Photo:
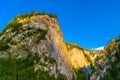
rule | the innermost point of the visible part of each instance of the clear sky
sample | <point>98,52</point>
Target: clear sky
<point>88,23</point>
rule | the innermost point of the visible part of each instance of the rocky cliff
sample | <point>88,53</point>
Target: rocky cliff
<point>39,34</point>
<point>36,40</point>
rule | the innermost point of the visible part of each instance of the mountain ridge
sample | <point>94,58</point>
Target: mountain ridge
<point>37,38</point>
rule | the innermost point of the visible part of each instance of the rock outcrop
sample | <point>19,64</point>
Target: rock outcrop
<point>52,42</point>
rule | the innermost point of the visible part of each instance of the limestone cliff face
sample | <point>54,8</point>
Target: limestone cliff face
<point>52,43</point>
<point>41,35</point>
<point>77,56</point>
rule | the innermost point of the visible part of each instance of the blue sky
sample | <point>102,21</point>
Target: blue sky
<point>88,23</point>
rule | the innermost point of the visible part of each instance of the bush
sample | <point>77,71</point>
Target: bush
<point>3,45</point>
<point>81,75</point>
<point>37,13</point>
<point>40,35</point>
<point>112,45</point>
<point>61,77</point>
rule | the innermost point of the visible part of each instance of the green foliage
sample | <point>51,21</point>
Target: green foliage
<point>61,77</point>
<point>92,68</point>
<point>24,47</point>
<point>8,39</point>
<point>32,13</point>
<point>25,15</point>
<point>48,59</point>
<point>13,42</point>
<point>14,25</point>
<point>52,15</point>
<point>113,73</point>
<point>3,45</point>
<point>23,69</point>
<point>40,35</point>
<point>15,69</point>
<point>37,13</point>
<point>37,31</point>
<point>44,75</point>
<point>109,75</point>
<point>117,55</point>
<point>117,39</point>
<point>112,45</point>
<point>22,16</point>
<point>71,46</point>
<point>81,75</point>
<point>51,60</point>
